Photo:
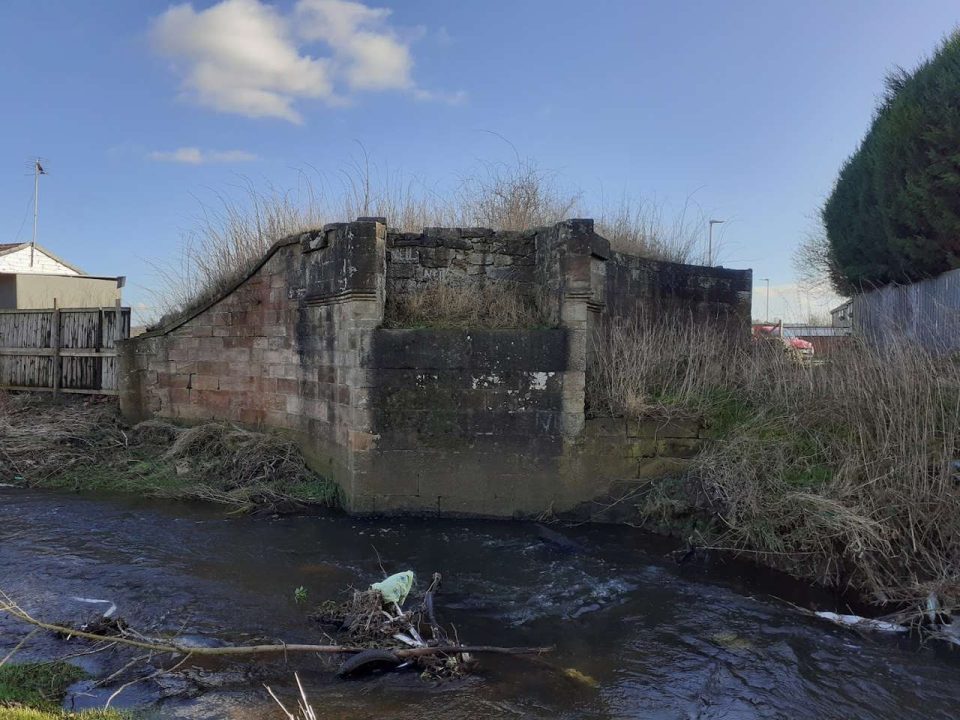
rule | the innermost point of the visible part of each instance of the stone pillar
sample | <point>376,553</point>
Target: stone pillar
<point>130,382</point>
<point>576,239</point>
<point>347,275</point>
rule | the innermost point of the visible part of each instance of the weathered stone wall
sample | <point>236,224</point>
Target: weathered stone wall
<point>285,349</point>
<point>487,422</point>
<point>459,254</point>
<point>636,285</point>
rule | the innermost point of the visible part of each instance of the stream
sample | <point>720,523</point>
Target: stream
<point>708,639</point>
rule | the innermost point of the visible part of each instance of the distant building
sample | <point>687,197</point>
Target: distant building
<point>842,315</point>
<point>46,281</point>
<point>823,339</point>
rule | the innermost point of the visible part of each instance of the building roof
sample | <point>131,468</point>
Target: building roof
<point>800,330</point>
<point>6,248</point>
<point>842,306</point>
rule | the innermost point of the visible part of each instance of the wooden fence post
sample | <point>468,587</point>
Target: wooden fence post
<point>55,341</point>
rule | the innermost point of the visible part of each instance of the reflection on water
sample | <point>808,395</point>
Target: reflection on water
<point>661,641</point>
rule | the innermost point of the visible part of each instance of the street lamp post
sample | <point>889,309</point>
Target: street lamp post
<point>766,315</point>
<point>710,241</point>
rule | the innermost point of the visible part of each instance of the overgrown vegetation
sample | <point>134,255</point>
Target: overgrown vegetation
<point>845,471</point>
<point>75,444</point>
<point>41,686</point>
<point>894,214</point>
<point>496,304</point>
<point>25,713</point>
<point>231,237</point>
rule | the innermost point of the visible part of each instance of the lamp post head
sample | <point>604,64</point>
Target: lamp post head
<point>716,222</point>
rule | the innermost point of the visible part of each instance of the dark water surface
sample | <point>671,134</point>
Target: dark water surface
<point>661,641</point>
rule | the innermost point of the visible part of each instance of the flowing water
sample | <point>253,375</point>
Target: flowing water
<point>661,641</point>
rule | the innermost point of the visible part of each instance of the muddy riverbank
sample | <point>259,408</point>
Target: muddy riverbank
<point>700,640</point>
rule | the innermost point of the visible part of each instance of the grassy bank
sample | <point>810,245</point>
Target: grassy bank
<point>25,713</point>
<point>79,444</point>
<point>844,472</point>
<point>34,691</point>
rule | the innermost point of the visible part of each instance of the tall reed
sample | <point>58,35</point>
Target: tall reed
<point>848,470</point>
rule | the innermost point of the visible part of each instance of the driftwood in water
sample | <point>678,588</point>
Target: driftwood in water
<point>164,646</point>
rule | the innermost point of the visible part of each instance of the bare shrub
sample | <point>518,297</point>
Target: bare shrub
<point>491,304</point>
<point>844,471</point>
<point>513,197</point>
<point>641,227</point>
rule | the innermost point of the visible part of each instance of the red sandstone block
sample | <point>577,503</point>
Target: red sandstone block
<point>231,383</point>
<point>268,384</point>
<point>179,395</point>
<point>308,389</point>
<point>181,354</point>
<point>276,329</point>
<point>210,344</point>
<point>211,367</point>
<point>205,382</point>
<point>287,385</point>
<point>235,355</point>
<point>216,401</point>
<point>237,342</point>
<point>250,416</point>
<point>362,441</point>
<point>276,402</point>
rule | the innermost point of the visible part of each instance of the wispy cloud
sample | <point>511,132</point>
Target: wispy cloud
<point>196,156</point>
<point>249,58</point>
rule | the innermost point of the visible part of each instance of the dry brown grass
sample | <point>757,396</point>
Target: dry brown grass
<point>491,304</point>
<point>83,444</point>
<point>233,234</point>
<point>845,471</point>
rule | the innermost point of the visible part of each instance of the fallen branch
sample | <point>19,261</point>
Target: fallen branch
<point>160,646</point>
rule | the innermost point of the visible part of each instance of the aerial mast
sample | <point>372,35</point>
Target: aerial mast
<point>37,172</point>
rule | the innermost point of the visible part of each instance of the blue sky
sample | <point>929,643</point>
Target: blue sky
<point>750,107</point>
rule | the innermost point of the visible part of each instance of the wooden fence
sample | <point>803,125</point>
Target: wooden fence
<point>926,313</point>
<point>70,350</point>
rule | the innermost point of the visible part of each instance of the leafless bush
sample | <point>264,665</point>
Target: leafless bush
<point>641,227</point>
<point>846,470</point>
<point>489,304</point>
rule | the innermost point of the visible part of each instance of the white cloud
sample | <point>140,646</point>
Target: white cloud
<point>239,56</point>
<point>196,156</point>
<point>366,51</point>
<point>246,57</point>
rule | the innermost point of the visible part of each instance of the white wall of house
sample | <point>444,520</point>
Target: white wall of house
<point>19,262</point>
